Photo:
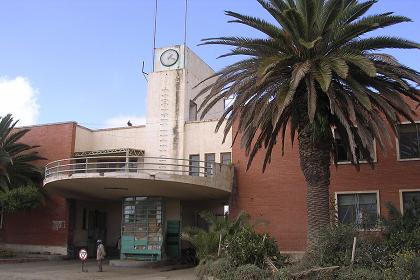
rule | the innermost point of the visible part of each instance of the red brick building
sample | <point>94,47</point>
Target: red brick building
<point>279,195</point>
<point>44,228</point>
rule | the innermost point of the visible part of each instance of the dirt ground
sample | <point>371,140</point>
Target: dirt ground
<point>71,270</point>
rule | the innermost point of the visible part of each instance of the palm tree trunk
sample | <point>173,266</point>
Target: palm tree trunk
<point>315,164</point>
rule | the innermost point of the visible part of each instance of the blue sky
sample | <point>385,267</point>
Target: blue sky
<point>81,59</point>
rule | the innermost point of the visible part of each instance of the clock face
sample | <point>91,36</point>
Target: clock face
<point>169,57</point>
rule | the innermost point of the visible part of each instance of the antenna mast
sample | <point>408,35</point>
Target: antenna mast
<point>154,35</point>
<point>185,30</point>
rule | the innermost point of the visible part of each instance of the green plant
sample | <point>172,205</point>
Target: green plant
<point>16,159</point>
<point>207,242</point>
<point>405,266</point>
<point>283,274</point>
<point>402,232</point>
<point>250,272</point>
<point>359,274</point>
<point>5,254</point>
<point>22,198</point>
<point>333,247</point>
<point>202,270</point>
<point>372,252</point>
<point>246,246</point>
<point>222,269</point>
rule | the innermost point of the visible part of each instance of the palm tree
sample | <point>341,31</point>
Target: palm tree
<point>315,70</point>
<point>16,159</point>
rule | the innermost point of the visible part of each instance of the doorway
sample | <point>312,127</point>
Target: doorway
<point>97,221</point>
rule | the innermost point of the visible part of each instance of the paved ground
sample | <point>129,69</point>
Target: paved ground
<point>71,270</point>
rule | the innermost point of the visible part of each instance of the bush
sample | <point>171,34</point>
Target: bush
<point>202,270</point>
<point>405,265</point>
<point>402,231</point>
<point>249,247</point>
<point>359,274</point>
<point>222,269</point>
<point>334,246</point>
<point>372,252</point>
<point>206,242</point>
<point>283,274</point>
<point>22,198</point>
<point>4,254</point>
<point>250,272</point>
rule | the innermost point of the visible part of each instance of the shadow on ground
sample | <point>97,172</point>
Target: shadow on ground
<point>71,270</point>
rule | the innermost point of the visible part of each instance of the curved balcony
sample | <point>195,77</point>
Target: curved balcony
<point>115,177</point>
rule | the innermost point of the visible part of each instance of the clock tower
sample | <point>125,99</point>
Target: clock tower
<point>171,100</point>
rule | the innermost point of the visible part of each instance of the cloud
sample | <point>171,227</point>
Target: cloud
<point>19,98</point>
<point>121,121</point>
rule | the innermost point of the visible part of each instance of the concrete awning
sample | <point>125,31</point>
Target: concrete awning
<point>115,186</point>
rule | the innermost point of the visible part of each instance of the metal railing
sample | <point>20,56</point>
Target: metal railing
<point>130,165</point>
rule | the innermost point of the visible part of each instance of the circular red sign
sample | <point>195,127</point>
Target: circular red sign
<point>83,254</point>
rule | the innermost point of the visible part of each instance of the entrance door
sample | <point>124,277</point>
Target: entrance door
<point>96,230</point>
<point>142,228</point>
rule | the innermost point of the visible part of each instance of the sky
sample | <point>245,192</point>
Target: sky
<point>81,60</point>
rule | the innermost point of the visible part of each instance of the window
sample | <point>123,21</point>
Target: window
<point>226,158</point>
<point>193,111</point>
<point>409,141</point>
<point>411,202</point>
<point>341,153</point>
<point>210,159</point>
<point>194,165</point>
<point>360,209</point>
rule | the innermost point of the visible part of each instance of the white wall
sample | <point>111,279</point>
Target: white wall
<point>197,71</point>
<point>200,138</point>
<point>114,138</point>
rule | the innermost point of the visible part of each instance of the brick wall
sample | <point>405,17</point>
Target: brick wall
<point>279,195</point>
<point>43,226</point>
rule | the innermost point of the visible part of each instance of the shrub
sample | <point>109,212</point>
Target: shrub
<point>283,274</point>
<point>4,254</point>
<point>250,272</point>
<point>359,274</point>
<point>405,266</point>
<point>246,246</point>
<point>334,246</point>
<point>22,198</point>
<point>206,242</point>
<point>372,252</point>
<point>222,269</point>
<point>402,231</point>
<point>202,270</point>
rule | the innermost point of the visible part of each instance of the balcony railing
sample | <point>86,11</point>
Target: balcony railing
<point>132,164</point>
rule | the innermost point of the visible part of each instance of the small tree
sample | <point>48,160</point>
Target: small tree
<point>18,174</point>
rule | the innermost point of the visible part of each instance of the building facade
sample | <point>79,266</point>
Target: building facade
<point>134,187</point>
<point>137,187</point>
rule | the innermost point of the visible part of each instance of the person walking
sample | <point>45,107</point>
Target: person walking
<point>100,254</point>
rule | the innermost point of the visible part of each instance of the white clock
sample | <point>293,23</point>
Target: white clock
<point>169,57</point>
